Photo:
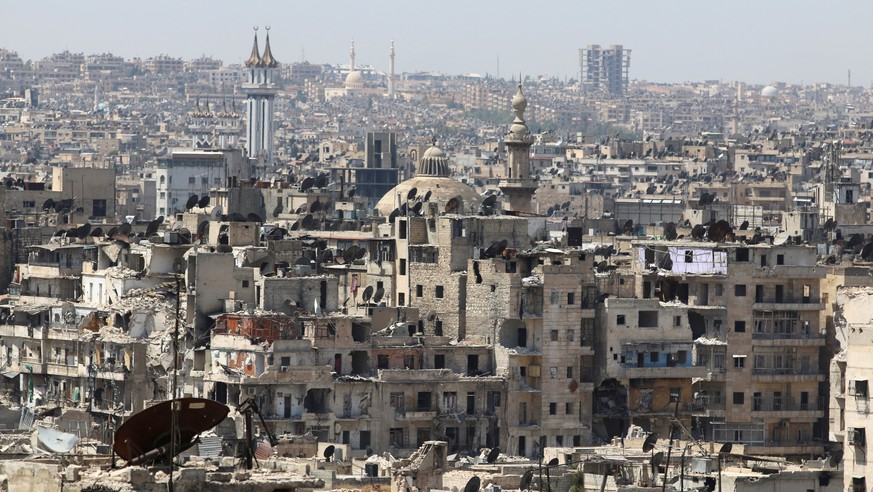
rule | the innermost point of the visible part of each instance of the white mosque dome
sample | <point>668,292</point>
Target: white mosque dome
<point>354,80</point>
<point>769,92</point>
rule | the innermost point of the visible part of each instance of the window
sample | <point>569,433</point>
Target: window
<point>553,408</point>
<point>29,204</point>
<point>569,372</point>
<point>719,290</point>
<point>365,440</point>
<point>424,401</point>
<point>619,319</point>
<point>742,255</point>
<point>739,290</point>
<point>382,362</point>
<point>245,284</point>
<point>553,335</point>
<point>739,398</point>
<point>98,208</point>
<point>553,372</point>
<point>402,266</point>
<point>191,180</point>
<point>571,298</point>
<point>439,291</point>
<point>689,256</point>
<point>780,259</point>
<point>401,299</point>
<point>654,356</point>
<point>739,361</point>
<point>648,319</point>
<point>861,388</point>
<point>397,400</point>
<point>419,290</point>
<point>401,229</point>
<point>438,328</point>
<point>409,362</point>
<point>570,335</point>
<point>439,361</point>
<point>677,320</point>
<point>740,326</point>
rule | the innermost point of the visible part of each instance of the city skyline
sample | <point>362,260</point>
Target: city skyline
<point>753,42</point>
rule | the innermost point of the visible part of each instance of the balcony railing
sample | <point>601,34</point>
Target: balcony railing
<point>791,334</point>
<point>784,371</point>
<point>784,405</point>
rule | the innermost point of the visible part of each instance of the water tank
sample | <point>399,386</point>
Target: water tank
<point>371,469</point>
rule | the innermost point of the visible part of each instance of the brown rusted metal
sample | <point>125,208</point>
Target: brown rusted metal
<point>145,437</point>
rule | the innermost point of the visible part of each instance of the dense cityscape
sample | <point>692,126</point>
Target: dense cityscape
<point>331,276</point>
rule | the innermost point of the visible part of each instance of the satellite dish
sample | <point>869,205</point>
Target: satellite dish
<point>410,195</point>
<point>489,201</point>
<point>308,222</point>
<point>320,181</point>
<point>192,200</point>
<point>431,315</point>
<point>97,232</point>
<point>362,252</point>
<point>492,455</point>
<point>836,458</point>
<point>124,229</point>
<point>203,202</point>
<point>253,217</point>
<point>295,226</point>
<point>416,209</point>
<point>202,228</point>
<point>526,480</point>
<point>48,204</point>
<point>553,462</point>
<point>427,196</point>
<point>306,184</point>
<point>277,210</point>
<point>378,295</point>
<point>649,443</point>
<point>726,448</point>
<point>152,228</point>
<point>657,459</point>
<point>224,248</point>
<point>393,215</point>
<point>315,207</point>
<point>328,452</point>
<point>112,232</point>
<point>473,484</point>
<point>368,293</point>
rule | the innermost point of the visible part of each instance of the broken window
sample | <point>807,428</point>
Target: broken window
<point>409,362</point>
<point>438,328</point>
<point>450,402</point>
<point>571,298</point>
<point>382,362</point>
<point>471,402</point>
<point>424,401</point>
<point>365,440</point>
<point>568,408</point>
<point>396,438</point>
<point>422,435</point>
<point>569,372</point>
<point>689,256</point>
<point>780,259</point>
<point>648,319</point>
<point>739,290</point>
<point>570,335</point>
<point>553,335</point>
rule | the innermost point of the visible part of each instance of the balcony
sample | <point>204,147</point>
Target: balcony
<point>788,305</point>
<point>677,372</point>
<point>706,407</point>
<point>783,408</point>
<point>786,374</point>
<point>789,339</point>
<point>417,415</point>
<point>62,370</point>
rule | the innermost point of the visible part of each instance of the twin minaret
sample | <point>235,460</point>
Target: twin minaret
<point>260,90</point>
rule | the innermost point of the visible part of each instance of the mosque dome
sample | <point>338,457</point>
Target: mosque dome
<point>432,176</point>
<point>354,80</point>
<point>769,92</point>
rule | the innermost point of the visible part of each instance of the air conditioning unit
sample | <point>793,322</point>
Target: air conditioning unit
<point>284,368</point>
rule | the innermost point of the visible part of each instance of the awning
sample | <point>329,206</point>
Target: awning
<point>10,374</point>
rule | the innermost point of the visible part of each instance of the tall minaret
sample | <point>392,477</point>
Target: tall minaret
<point>391,71</point>
<point>260,90</point>
<point>518,187</point>
<point>352,57</point>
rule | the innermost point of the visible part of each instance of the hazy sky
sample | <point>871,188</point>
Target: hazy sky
<point>671,40</point>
